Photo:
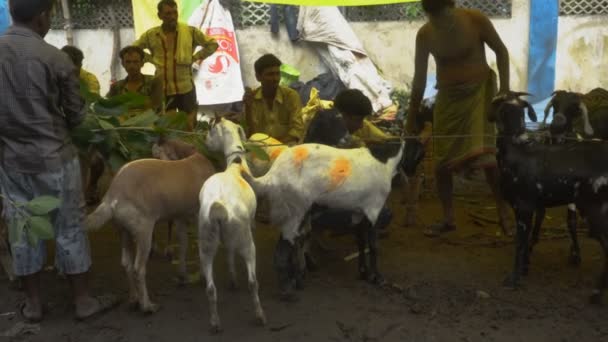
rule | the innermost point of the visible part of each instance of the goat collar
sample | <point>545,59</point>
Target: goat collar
<point>233,155</point>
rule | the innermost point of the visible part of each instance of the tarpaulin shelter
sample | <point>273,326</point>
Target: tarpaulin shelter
<point>5,18</point>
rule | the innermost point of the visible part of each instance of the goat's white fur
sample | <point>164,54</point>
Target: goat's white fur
<point>293,188</point>
<point>227,215</point>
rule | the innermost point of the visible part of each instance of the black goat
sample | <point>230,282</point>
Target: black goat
<point>535,175</point>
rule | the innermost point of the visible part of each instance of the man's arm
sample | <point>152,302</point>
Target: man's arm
<point>491,37</point>
<point>419,83</point>
<point>72,103</point>
<point>209,45</point>
<point>144,43</point>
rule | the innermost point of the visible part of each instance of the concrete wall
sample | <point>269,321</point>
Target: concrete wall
<point>581,54</point>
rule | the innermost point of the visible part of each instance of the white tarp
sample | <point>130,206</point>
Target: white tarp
<point>343,52</point>
<point>218,79</point>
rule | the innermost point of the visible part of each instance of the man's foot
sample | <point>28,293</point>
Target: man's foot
<point>94,306</point>
<point>437,229</point>
<point>30,313</point>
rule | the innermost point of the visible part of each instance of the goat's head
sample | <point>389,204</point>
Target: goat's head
<point>413,155</point>
<point>172,149</point>
<point>508,111</point>
<point>567,106</point>
<point>225,136</point>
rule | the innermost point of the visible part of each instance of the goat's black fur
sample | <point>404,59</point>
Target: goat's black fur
<point>535,175</point>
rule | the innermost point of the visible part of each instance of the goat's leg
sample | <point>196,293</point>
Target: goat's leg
<point>127,263</point>
<point>182,231</point>
<point>602,236</point>
<point>374,276</point>
<point>538,222</point>
<point>285,268</point>
<point>232,270</point>
<point>249,256</point>
<point>361,232</point>
<point>143,244</point>
<point>524,222</point>
<point>575,250</point>
<point>207,249</point>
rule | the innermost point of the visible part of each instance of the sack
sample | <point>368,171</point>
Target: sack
<point>218,79</point>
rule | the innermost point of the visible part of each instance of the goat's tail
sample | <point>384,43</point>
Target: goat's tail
<point>218,214</point>
<point>99,217</point>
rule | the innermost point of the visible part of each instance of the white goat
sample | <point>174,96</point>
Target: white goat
<point>354,179</point>
<point>144,192</point>
<point>227,215</point>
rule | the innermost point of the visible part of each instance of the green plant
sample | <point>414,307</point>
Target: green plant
<point>34,218</point>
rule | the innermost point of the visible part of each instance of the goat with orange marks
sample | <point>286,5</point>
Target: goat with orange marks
<point>350,179</point>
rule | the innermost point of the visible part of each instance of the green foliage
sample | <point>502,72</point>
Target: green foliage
<point>34,219</point>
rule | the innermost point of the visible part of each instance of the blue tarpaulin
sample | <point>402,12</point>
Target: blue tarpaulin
<point>5,18</point>
<point>544,16</point>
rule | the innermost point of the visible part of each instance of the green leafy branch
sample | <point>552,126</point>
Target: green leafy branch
<point>32,218</point>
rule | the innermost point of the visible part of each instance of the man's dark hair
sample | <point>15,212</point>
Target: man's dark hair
<point>23,11</point>
<point>266,61</point>
<point>434,7</point>
<point>74,53</point>
<point>132,49</point>
<point>353,102</point>
<point>162,3</point>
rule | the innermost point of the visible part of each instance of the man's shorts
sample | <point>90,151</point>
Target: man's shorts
<point>183,102</point>
<point>72,251</point>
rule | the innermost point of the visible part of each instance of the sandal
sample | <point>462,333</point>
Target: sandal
<point>437,229</point>
<point>104,304</point>
<point>28,317</point>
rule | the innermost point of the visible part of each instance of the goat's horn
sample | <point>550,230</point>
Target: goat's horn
<point>547,109</point>
<point>587,125</point>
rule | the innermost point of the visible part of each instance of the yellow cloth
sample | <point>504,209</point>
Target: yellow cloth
<point>90,81</point>
<point>463,110</point>
<point>284,121</point>
<point>174,63</point>
<point>370,133</point>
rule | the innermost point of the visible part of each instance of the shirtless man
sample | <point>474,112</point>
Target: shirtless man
<point>456,39</point>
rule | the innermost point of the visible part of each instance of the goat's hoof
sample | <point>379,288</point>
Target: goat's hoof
<point>575,260</point>
<point>150,308</point>
<point>260,320</point>
<point>215,329</point>
<point>511,282</point>
<point>375,279</point>
<point>596,298</point>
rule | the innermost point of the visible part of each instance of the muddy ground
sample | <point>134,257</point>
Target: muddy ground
<point>445,289</point>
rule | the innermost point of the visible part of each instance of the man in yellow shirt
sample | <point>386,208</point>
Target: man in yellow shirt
<point>171,47</point>
<point>86,77</point>
<point>273,109</point>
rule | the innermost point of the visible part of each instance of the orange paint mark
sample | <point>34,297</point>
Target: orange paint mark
<point>300,154</point>
<point>276,152</point>
<point>340,170</point>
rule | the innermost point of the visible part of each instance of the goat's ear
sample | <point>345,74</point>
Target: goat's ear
<point>161,139</point>
<point>531,111</point>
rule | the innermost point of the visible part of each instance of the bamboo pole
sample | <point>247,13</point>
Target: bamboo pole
<point>69,33</point>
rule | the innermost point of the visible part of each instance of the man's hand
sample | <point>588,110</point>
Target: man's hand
<point>248,98</point>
